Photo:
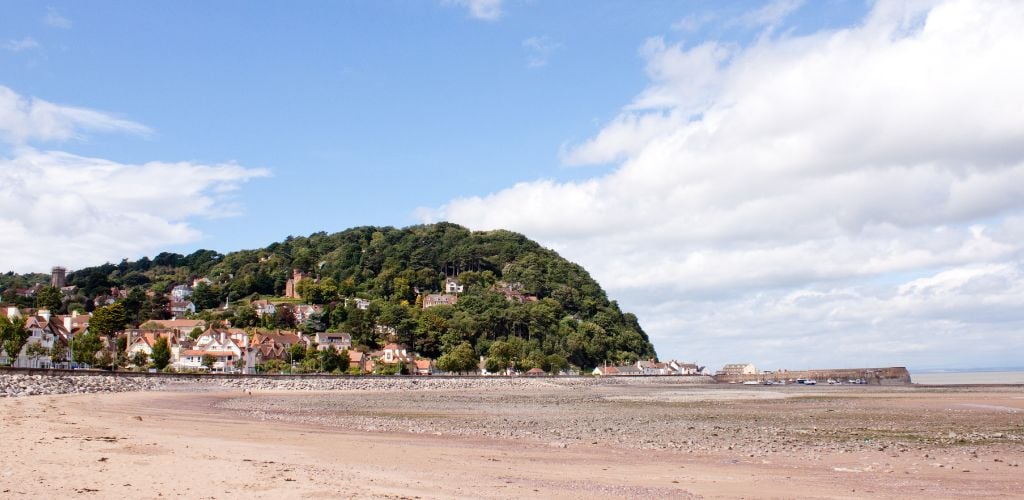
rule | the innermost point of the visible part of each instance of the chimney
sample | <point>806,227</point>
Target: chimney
<point>67,323</point>
<point>45,314</point>
<point>223,336</point>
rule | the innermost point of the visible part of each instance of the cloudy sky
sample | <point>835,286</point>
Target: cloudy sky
<point>795,184</point>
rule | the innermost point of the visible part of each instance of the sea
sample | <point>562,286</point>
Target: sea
<point>1013,376</point>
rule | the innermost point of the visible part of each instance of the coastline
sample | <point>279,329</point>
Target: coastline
<point>708,441</point>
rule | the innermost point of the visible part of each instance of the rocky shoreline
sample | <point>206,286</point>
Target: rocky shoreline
<point>19,384</point>
<point>16,385</point>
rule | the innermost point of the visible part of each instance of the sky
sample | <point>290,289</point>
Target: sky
<point>788,183</point>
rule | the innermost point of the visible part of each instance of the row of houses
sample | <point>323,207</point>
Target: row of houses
<point>641,368</point>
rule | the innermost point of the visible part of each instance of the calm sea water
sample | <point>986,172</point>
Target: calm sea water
<point>1014,377</point>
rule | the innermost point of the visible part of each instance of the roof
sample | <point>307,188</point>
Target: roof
<point>181,324</point>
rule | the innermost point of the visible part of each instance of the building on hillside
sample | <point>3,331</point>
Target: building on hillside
<point>338,340</point>
<point>438,299</point>
<point>303,312</point>
<point>739,369</point>
<point>513,292</point>
<point>181,309</point>
<point>180,293</point>
<point>452,285</point>
<point>290,286</point>
<point>204,280</point>
<point>263,307</point>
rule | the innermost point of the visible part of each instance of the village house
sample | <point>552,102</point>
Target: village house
<point>535,372</point>
<point>425,367</point>
<point>45,332</point>
<point>226,346</point>
<point>267,346</point>
<point>180,293</point>
<point>144,340</point>
<point>394,354</point>
<point>606,370</point>
<point>181,327</point>
<point>513,292</point>
<point>682,368</point>
<point>338,340</point>
<point>438,299</point>
<point>75,323</point>
<point>361,361</point>
<point>263,307</point>
<point>653,368</point>
<point>452,285</point>
<point>303,312</point>
<point>181,309</point>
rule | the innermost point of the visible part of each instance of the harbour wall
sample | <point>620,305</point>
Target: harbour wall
<point>895,375</point>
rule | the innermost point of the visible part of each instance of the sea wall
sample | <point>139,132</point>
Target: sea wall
<point>896,375</point>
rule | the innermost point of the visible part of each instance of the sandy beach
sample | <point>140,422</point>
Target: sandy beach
<point>550,441</point>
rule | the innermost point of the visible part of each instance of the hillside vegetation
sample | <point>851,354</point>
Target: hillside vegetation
<point>566,315</point>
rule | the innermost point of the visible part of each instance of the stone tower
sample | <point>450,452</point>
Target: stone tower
<point>58,277</point>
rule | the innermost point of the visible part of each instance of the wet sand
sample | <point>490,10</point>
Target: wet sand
<point>564,442</point>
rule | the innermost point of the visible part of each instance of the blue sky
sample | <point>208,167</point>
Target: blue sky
<point>363,111</point>
<point>783,181</point>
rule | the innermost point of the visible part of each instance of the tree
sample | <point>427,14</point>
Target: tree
<point>34,351</point>
<point>556,363</point>
<point>139,359</point>
<point>205,296</point>
<point>161,353</point>
<point>461,359</point>
<point>209,360</point>
<point>84,348</point>
<point>49,298</point>
<point>106,321</point>
<point>195,333</point>
<point>13,336</point>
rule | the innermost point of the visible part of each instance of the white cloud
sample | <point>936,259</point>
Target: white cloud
<point>23,120</point>
<point>485,10</point>
<point>539,49</point>
<point>57,207</point>
<point>55,19</point>
<point>839,168</point>
<point>771,14</point>
<point>20,45</point>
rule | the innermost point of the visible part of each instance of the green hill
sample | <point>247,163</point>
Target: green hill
<point>526,299</point>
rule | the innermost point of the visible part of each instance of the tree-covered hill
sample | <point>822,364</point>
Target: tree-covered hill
<point>565,312</point>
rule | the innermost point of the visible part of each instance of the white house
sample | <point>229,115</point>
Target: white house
<point>45,332</point>
<point>339,341</point>
<point>226,346</point>
<point>263,307</point>
<point>452,285</point>
<point>181,292</point>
